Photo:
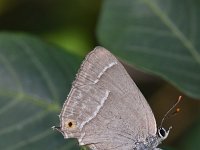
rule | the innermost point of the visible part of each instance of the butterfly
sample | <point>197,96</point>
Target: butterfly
<point>105,109</point>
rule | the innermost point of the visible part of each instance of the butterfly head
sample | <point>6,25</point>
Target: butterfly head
<point>162,133</point>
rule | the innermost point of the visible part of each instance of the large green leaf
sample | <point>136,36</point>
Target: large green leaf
<point>190,140</point>
<point>35,80</point>
<point>161,37</point>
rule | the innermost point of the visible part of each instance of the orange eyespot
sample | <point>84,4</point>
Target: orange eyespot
<point>70,124</point>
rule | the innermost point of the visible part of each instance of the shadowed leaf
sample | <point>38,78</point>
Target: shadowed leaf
<point>35,80</point>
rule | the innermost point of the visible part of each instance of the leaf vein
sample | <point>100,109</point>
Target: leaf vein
<point>167,21</point>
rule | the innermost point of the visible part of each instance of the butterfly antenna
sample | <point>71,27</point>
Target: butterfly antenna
<point>174,113</point>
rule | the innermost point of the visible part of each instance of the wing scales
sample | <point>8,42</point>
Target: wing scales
<point>107,104</point>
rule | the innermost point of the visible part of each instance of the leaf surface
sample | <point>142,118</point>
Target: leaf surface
<point>35,80</point>
<point>160,37</point>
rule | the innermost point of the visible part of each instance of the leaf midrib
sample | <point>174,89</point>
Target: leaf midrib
<point>51,107</point>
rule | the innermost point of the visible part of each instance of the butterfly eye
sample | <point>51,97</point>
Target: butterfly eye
<point>162,132</point>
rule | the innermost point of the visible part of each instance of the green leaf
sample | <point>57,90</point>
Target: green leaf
<point>84,148</point>
<point>160,37</point>
<point>35,80</point>
<point>190,139</point>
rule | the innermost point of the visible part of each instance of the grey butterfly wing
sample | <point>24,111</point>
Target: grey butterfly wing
<point>105,108</point>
